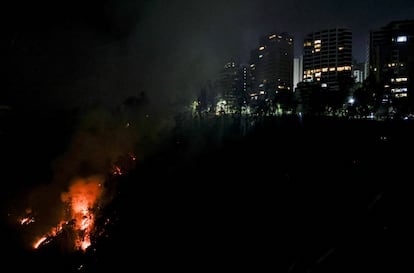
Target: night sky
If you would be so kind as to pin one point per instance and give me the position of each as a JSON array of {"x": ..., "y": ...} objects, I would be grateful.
[{"x": 75, "y": 53}]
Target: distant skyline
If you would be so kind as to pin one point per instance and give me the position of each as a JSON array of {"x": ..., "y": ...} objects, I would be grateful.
[
  {"x": 77, "y": 52},
  {"x": 299, "y": 18}
]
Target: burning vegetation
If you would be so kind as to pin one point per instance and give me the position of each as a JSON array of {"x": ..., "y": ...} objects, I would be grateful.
[
  {"x": 68, "y": 213},
  {"x": 75, "y": 213},
  {"x": 82, "y": 204}
]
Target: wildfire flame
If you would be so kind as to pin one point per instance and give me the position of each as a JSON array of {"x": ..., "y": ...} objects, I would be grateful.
[
  {"x": 39, "y": 242},
  {"x": 81, "y": 202},
  {"x": 81, "y": 198},
  {"x": 28, "y": 218}
]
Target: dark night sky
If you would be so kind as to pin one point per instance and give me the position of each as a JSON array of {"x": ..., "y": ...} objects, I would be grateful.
[{"x": 82, "y": 52}]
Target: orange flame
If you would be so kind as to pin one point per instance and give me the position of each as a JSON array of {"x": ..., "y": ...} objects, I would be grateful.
[
  {"x": 39, "y": 242},
  {"x": 26, "y": 220},
  {"x": 82, "y": 197},
  {"x": 81, "y": 205},
  {"x": 81, "y": 201}
]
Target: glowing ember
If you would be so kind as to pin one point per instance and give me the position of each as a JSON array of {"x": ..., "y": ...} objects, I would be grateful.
[
  {"x": 132, "y": 156},
  {"x": 117, "y": 170},
  {"x": 124, "y": 164},
  {"x": 26, "y": 220}
]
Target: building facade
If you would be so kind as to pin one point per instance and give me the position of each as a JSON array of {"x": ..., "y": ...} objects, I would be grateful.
[
  {"x": 391, "y": 62},
  {"x": 271, "y": 66},
  {"x": 233, "y": 86},
  {"x": 327, "y": 57}
]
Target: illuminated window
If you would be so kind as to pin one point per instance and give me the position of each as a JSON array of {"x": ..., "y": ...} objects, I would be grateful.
[
  {"x": 401, "y": 39},
  {"x": 399, "y": 90},
  {"x": 317, "y": 49},
  {"x": 317, "y": 42},
  {"x": 261, "y": 48},
  {"x": 340, "y": 48},
  {"x": 307, "y": 44},
  {"x": 404, "y": 79},
  {"x": 260, "y": 56},
  {"x": 401, "y": 95},
  {"x": 272, "y": 37}
]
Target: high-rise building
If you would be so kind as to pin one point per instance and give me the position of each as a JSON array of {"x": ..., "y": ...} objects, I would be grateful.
[
  {"x": 327, "y": 57},
  {"x": 297, "y": 70},
  {"x": 234, "y": 84},
  {"x": 391, "y": 61},
  {"x": 229, "y": 79},
  {"x": 271, "y": 65}
]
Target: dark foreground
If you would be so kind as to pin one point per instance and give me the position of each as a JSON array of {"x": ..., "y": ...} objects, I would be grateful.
[{"x": 289, "y": 195}]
